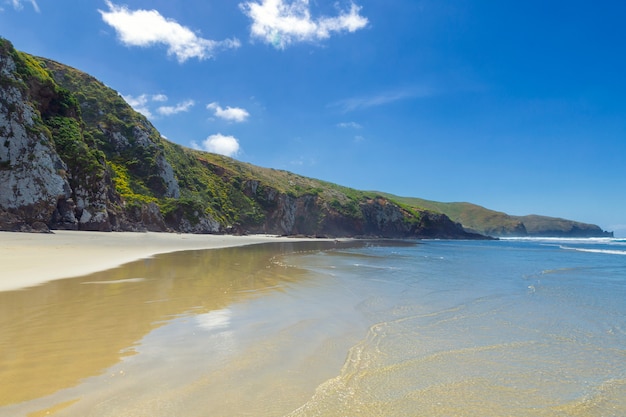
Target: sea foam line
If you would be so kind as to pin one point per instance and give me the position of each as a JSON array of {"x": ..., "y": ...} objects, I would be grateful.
[
  {"x": 590, "y": 240},
  {"x": 605, "y": 251}
]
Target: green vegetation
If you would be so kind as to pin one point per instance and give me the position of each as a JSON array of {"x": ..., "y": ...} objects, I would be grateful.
[
  {"x": 109, "y": 149},
  {"x": 83, "y": 161},
  {"x": 99, "y": 135},
  {"x": 472, "y": 217},
  {"x": 130, "y": 189},
  {"x": 494, "y": 223},
  {"x": 31, "y": 69}
]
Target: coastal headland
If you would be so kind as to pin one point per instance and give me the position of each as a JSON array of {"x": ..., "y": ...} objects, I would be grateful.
[{"x": 102, "y": 166}]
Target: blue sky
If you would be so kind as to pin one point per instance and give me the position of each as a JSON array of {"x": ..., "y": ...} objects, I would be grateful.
[{"x": 519, "y": 106}]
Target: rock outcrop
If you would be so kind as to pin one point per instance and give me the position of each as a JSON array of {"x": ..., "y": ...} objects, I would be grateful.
[
  {"x": 75, "y": 155},
  {"x": 33, "y": 182},
  {"x": 555, "y": 227}
]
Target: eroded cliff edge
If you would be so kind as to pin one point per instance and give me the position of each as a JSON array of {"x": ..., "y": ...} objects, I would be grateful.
[{"x": 74, "y": 155}]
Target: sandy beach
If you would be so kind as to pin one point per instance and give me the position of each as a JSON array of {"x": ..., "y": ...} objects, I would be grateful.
[{"x": 29, "y": 259}]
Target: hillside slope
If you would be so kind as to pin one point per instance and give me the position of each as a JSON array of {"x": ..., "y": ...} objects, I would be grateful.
[
  {"x": 75, "y": 155},
  {"x": 494, "y": 223}
]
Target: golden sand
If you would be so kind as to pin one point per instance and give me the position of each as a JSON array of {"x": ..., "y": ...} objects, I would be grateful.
[{"x": 30, "y": 259}]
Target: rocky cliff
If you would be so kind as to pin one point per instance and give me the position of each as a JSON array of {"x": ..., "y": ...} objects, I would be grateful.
[{"x": 74, "y": 155}]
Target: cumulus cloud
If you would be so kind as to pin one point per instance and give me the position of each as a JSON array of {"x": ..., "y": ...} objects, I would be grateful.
[
  {"x": 220, "y": 144},
  {"x": 281, "y": 23},
  {"x": 179, "y": 108},
  {"x": 17, "y": 4},
  {"x": 232, "y": 114},
  {"x": 148, "y": 28}
]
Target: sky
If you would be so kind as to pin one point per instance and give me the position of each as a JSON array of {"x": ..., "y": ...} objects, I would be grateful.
[{"x": 518, "y": 106}]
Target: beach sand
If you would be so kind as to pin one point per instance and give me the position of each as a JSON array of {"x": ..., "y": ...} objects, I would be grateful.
[{"x": 28, "y": 259}]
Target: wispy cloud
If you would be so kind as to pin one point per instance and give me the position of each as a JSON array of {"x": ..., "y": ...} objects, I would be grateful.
[
  {"x": 18, "y": 4},
  {"x": 148, "y": 28},
  {"x": 380, "y": 99},
  {"x": 143, "y": 102},
  {"x": 179, "y": 108},
  {"x": 220, "y": 144},
  {"x": 232, "y": 114},
  {"x": 302, "y": 161},
  {"x": 349, "y": 125},
  {"x": 281, "y": 23}
]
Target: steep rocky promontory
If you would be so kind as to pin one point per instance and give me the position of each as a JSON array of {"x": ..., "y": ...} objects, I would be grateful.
[{"x": 74, "y": 155}]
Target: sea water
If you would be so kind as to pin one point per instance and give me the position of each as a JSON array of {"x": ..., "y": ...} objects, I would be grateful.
[{"x": 518, "y": 327}]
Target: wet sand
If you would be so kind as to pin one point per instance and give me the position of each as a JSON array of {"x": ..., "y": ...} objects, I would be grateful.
[
  {"x": 319, "y": 328},
  {"x": 30, "y": 259},
  {"x": 202, "y": 329}
]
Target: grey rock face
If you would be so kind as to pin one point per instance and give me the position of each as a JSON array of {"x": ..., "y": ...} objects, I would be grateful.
[{"x": 31, "y": 173}]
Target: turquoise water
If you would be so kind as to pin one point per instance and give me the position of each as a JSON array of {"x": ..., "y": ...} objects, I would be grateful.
[{"x": 431, "y": 328}]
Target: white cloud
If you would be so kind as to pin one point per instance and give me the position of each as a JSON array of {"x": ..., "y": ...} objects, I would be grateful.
[
  {"x": 302, "y": 161},
  {"x": 148, "y": 27},
  {"x": 142, "y": 103},
  {"x": 281, "y": 23},
  {"x": 17, "y": 5},
  {"x": 179, "y": 108},
  {"x": 139, "y": 104},
  {"x": 357, "y": 103},
  {"x": 352, "y": 125},
  {"x": 220, "y": 144},
  {"x": 387, "y": 97},
  {"x": 232, "y": 114}
]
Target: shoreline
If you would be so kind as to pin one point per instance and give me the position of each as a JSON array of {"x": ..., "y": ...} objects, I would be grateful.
[{"x": 30, "y": 259}]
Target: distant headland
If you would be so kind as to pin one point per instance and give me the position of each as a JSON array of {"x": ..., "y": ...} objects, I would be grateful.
[{"x": 75, "y": 156}]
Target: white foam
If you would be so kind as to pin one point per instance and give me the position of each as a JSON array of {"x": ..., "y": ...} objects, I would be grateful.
[
  {"x": 605, "y": 251},
  {"x": 602, "y": 240}
]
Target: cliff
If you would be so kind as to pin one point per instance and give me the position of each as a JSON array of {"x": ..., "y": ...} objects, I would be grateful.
[{"x": 74, "y": 155}]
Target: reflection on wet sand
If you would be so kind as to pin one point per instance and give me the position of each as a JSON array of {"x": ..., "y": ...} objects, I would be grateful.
[
  {"x": 55, "y": 335},
  {"x": 438, "y": 329}
]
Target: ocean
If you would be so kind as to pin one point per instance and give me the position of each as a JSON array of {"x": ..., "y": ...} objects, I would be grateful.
[{"x": 514, "y": 327}]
